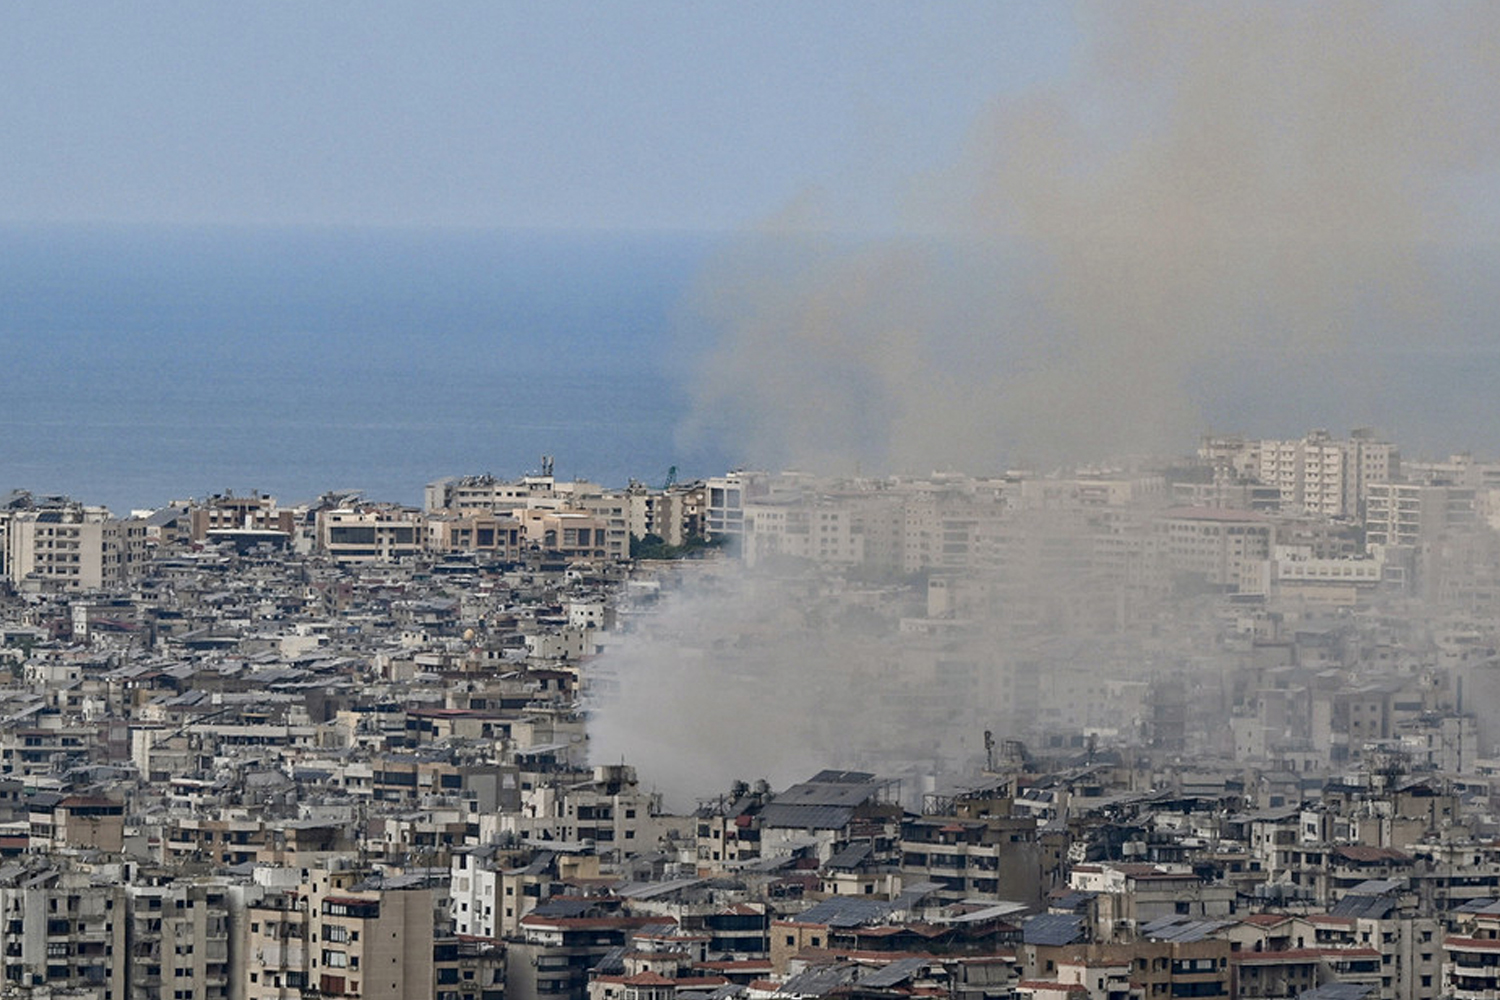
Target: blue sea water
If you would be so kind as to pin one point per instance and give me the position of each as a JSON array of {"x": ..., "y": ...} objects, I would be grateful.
[
  {"x": 142, "y": 365},
  {"x": 139, "y": 365}
]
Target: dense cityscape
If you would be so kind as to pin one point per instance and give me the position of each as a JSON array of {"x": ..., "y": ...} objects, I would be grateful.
[{"x": 1222, "y": 725}]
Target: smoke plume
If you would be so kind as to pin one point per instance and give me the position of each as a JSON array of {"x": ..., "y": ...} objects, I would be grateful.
[
  {"x": 1216, "y": 186},
  {"x": 1213, "y": 196}
]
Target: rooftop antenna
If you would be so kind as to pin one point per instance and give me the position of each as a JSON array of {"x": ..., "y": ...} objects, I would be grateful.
[{"x": 546, "y": 465}]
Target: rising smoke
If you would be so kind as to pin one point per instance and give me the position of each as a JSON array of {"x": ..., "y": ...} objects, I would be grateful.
[
  {"x": 1215, "y": 194},
  {"x": 1215, "y": 186}
]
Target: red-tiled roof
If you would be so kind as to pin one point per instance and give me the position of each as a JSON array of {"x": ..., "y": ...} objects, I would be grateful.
[
  {"x": 1053, "y": 985},
  {"x": 1472, "y": 944},
  {"x": 646, "y": 979}
]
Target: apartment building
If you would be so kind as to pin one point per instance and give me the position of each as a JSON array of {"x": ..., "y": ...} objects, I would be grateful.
[
  {"x": 72, "y": 548},
  {"x": 1320, "y": 475},
  {"x": 1414, "y": 513},
  {"x": 227, "y": 512},
  {"x": 177, "y": 939},
  {"x": 572, "y": 535},
  {"x": 65, "y": 931},
  {"x": 1471, "y": 953},
  {"x": 276, "y": 935},
  {"x": 373, "y": 940},
  {"x": 495, "y": 534},
  {"x": 992, "y": 856},
  {"x": 674, "y": 514},
  {"x": 372, "y": 533},
  {"x": 819, "y": 530},
  {"x": 1314, "y": 474},
  {"x": 485, "y": 494},
  {"x": 727, "y": 496},
  {"x": 611, "y": 511},
  {"x": 1144, "y": 969},
  {"x": 1217, "y": 549}
]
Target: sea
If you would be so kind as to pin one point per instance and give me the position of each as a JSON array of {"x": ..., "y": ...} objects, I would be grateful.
[{"x": 140, "y": 365}]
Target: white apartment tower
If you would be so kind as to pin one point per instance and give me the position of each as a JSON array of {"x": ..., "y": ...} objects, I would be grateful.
[{"x": 1320, "y": 475}]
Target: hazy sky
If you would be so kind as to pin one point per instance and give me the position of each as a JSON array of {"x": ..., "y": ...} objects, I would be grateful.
[{"x": 640, "y": 114}]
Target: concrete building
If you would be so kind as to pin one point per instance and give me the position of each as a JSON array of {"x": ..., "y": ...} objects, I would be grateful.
[
  {"x": 1215, "y": 549},
  {"x": 372, "y": 533},
  {"x": 727, "y": 496},
  {"x": 495, "y": 534},
  {"x": 485, "y": 494},
  {"x": 276, "y": 932},
  {"x": 72, "y": 548},
  {"x": 1415, "y": 514},
  {"x": 372, "y": 940},
  {"x": 572, "y": 535},
  {"x": 178, "y": 941},
  {"x": 1320, "y": 475},
  {"x": 227, "y": 512},
  {"x": 814, "y": 529},
  {"x": 65, "y": 931}
]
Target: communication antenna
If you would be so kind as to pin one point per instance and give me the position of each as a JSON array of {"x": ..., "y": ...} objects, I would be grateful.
[{"x": 546, "y": 465}]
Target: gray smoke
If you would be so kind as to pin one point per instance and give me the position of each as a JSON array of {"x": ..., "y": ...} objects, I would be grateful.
[
  {"x": 1216, "y": 186},
  {"x": 1216, "y": 194}
]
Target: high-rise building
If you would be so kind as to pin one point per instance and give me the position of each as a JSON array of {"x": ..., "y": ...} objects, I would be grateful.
[{"x": 71, "y": 547}]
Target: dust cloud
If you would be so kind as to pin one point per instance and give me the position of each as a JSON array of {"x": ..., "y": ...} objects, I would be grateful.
[
  {"x": 1212, "y": 194},
  {"x": 1214, "y": 186}
]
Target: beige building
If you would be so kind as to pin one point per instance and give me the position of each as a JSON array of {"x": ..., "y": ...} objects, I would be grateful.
[
  {"x": 276, "y": 939},
  {"x": 72, "y": 548},
  {"x": 227, "y": 512},
  {"x": 1314, "y": 474},
  {"x": 372, "y": 533},
  {"x": 1219, "y": 549},
  {"x": 571, "y": 534},
  {"x": 485, "y": 494},
  {"x": 493, "y": 533},
  {"x": 821, "y": 531},
  {"x": 375, "y": 943},
  {"x": 1415, "y": 514}
]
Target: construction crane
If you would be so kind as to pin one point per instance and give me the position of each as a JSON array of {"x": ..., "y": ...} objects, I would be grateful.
[{"x": 671, "y": 479}]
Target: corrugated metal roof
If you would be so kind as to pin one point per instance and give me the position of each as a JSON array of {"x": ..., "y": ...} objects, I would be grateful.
[
  {"x": 1181, "y": 929},
  {"x": 1052, "y": 929},
  {"x": 1360, "y": 905},
  {"x": 896, "y": 972},
  {"x": 844, "y": 911},
  {"x": 806, "y": 817},
  {"x": 816, "y": 982}
]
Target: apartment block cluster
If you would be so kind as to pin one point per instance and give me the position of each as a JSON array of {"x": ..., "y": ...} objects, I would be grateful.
[
  {"x": 1325, "y": 520},
  {"x": 1218, "y": 726}
]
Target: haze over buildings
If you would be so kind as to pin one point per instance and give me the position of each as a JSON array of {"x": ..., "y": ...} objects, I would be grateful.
[
  {"x": 1024, "y": 523},
  {"x": 1148, "y": 722}
]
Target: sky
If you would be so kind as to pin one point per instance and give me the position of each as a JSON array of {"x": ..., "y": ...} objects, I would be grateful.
[
  {"x": 645, "y": 115},
  {"x": 999, "y": 231}
]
